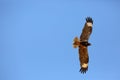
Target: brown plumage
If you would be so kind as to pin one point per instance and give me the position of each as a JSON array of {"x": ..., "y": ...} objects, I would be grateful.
[{"x": 83, "y": 43}]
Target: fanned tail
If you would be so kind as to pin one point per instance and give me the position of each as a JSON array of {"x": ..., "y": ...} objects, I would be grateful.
[{"x": 76, "y": 42}]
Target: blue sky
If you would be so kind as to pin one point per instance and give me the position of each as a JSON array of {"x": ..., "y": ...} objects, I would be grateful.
[{"x": 36, "y": 39}]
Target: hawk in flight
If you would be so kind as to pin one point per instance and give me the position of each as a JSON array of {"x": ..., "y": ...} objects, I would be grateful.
[{"x": 83, "y": 43}]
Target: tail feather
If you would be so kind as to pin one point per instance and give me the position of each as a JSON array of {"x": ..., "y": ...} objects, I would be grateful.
[{"x": 76, "y": 42}]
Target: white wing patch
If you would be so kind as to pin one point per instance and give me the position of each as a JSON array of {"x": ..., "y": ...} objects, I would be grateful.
[
  {"x": 85, "y": 65},
  {"x": 89, "y": 24}
]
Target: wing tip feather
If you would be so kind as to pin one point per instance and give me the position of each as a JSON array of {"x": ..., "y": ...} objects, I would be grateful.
[
  {"x": 89, "y": 19},
  {"x": 83, "y": 70}
]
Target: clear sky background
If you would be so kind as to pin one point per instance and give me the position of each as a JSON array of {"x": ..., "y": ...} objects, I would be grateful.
[{"x": 36, "y": 39}]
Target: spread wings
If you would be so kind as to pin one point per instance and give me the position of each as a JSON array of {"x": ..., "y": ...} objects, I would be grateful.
[
  {"x": 87, "y": 30},
  {"x": 83, "y": 43},
  {"x": 84, "y": 58}
]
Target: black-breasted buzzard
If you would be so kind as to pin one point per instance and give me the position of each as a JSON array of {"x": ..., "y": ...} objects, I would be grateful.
[{"x": 83, "y": 43}]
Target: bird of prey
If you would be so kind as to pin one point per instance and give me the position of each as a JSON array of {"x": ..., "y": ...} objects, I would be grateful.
[{"x": 83, "y": 44}]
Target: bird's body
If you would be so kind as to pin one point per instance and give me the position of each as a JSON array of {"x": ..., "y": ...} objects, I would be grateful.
[{"x": 83, "y": 44}]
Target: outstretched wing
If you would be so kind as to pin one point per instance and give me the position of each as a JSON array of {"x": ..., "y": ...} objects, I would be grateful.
[
  {"x": 87, "y": 30},
  {"x": 84, "y": 58},
  {"x": 83, "y": 51}
]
